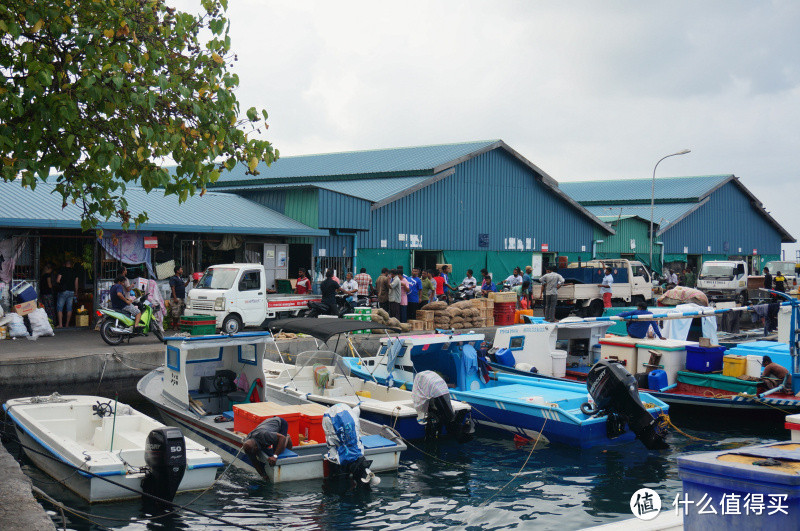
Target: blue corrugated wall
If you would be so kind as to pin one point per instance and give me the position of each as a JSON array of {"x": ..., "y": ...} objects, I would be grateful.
[
  {"x": 338, "y": 211},
  {"x": 490, "y": 194},
  {"x": 728, "y": 217},
  {"x": 335, "y": 245},
  {"x": 274, "y": 199}
]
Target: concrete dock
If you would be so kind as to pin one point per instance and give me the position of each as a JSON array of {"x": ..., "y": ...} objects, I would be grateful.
[{"x": 18, "y": 508}]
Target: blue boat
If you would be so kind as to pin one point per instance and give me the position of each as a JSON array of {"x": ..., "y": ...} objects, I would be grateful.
[{"x": 523, "y": 405}]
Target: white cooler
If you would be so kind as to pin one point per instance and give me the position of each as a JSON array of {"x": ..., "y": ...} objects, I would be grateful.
[
  {"x": 673, "y": 356},
  {"x": 622, "y": 349}
]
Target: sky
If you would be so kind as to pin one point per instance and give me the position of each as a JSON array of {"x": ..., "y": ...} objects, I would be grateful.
[{"x": 583, "y": 89}]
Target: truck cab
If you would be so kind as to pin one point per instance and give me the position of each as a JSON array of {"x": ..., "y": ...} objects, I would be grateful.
[
  {"x": 724, "y": 280},
  {"x": 237, "y": 296}
]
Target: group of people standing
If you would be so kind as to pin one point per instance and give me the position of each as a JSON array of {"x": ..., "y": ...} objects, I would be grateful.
[
  {"x": 58, "y": 291},
  {"x": 776, "y": 283}
]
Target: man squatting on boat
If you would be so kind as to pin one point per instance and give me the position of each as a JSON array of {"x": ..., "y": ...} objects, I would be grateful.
[{"x": 269, "y": 437}]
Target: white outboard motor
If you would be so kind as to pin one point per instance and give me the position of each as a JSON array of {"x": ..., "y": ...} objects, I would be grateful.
[
  {"x": 165, "y": 457},
  {"x": 345, "y": 455},
  {"x": 431, "y": 398}
]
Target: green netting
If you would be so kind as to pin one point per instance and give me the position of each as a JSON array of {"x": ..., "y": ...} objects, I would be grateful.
[
  {"x": 463, "y": 260},
  {"x": 376, "y": 259},
  {"x": 502, "y": 263}
]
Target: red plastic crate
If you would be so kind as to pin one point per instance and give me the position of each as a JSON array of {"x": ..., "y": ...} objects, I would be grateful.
[
  {"x": 311, "y": 427},
  {"x": 247, "y": 416}
]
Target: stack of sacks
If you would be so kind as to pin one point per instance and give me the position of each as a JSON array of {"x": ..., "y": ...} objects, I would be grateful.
[
  {"x": 382, "y": 316},
  {"x": 441, "y": 319},
  {"x": 465, "y": 315}
]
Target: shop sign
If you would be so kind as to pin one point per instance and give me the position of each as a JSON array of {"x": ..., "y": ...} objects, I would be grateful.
[
  {"x": 545, "y": 247},
  {"x": 150, "y": 242}
]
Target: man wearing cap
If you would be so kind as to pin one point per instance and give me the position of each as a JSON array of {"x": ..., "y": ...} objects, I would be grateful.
[{"x": 270, "y": 437}]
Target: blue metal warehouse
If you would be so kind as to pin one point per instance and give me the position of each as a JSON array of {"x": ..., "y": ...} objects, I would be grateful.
[
  {"x": 712, "y": 217},
  {"x": 476, "y": 204}
]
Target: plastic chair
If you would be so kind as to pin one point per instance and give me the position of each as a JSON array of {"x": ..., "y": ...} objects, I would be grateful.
[{"x": 251, "y": 396}]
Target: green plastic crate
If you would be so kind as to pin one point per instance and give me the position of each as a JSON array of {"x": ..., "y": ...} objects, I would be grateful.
[
  {"x": 188, "y": 319},
  {"x": 199, "y": 330}
]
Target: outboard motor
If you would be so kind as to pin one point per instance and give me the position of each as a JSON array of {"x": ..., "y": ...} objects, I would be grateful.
[
  {"x": 616, "y": 394},
  {"x": 345, "y": 456},
  {"x": 431, "y": 397},
  {"x": 165, "y": 457}
]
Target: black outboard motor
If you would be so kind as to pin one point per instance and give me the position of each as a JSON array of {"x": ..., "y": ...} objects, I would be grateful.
[
  {"x": 615, "y": 393},
  {"x": 441, "y": 414},
  {"x": 165, "y": 457}
]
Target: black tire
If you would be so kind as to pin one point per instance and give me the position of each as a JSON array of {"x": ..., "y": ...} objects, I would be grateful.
[
  {"x": 636, "y": 299},
  {"x": 231, "y": 325},
  {"x": 158, "y": 332},
  {"x": 595, "y": 308},
  {"x": 589, "y": 409},
  {"x": 108, "y": 335}
]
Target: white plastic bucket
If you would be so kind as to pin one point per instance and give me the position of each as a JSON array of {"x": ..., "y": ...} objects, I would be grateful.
[
  {"x": 559, "y": 358},
  {"x": 754, "y": 365}
]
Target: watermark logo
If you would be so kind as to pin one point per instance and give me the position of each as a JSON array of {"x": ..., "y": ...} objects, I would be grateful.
[{"x": 645, "y": 504}]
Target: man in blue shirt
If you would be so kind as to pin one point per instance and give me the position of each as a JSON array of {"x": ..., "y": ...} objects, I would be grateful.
[
  {"x": 639, "y": 328},
  {"x": 121, "y": 303},
  {"x": 414, "y": 287}
]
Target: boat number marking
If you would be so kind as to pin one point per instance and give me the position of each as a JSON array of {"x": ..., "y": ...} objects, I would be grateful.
[{"x": 173, "y": 379}]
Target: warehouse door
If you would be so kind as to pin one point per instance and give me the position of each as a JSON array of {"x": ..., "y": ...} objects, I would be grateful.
[{"x": 427, "y": 259}]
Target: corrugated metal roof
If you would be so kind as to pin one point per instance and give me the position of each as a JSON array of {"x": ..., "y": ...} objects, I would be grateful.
[
  {"x": 663, "y": 213},
  {"x": 214, "y": 212},
  {"x": 406, "y": 161},
  {"x": 635, "y": 190},
  {"x": 373, "y": 190}
]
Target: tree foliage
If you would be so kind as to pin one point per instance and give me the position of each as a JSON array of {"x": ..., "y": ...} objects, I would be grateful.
[{"x": 100, "y": 92}]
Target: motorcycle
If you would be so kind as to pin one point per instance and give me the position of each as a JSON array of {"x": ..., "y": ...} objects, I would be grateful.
[
  {"x": 462, "y": 293},
  {"x": 117, "y": 325},
  {"x": 344, "y": 306}
]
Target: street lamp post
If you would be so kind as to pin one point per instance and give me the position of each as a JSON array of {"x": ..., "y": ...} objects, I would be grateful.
[{"x": 653, "y": 198}]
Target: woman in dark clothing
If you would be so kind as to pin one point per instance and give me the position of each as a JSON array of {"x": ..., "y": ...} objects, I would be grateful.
[{"x": 47, "y": 291}]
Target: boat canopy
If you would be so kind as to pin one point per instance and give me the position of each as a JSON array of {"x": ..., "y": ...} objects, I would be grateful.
[{"x": 324, "y": 329}]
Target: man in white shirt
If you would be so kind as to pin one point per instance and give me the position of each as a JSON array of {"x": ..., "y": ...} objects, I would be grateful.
[
  {"x": 515, "y": 279},
  {"x": 605, "y": 288},
  {"x": 350, "y": 287},
  {"x": 550, "y": 284},
  {"x": 471, "y": 284}
]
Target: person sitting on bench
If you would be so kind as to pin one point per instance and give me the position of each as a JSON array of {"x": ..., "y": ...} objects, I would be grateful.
[{"x": 269, "y": 437}]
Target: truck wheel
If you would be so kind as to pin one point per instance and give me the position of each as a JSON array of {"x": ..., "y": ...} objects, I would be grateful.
[
  {"x": 741, "y": 299},
  {"x": 596, "y": 308},
  {"x": 231, "y": 325},
  {"x": 636, "y": 299}
]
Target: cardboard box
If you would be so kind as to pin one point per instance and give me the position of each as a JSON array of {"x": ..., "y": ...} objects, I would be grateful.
[
  {"x": 503, "y": 296},
  {"x": 25, "y": 308},
  {"x": 416, "y": 324},
  {"x": 425, "y": 315}
]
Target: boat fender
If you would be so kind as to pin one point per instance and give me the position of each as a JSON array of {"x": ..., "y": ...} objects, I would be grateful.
[{"x": 589, "y": 409}]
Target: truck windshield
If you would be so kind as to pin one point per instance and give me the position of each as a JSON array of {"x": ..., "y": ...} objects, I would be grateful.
[
  {"x": 218, "y": 278},
  {"x": 717, "y": 271}
]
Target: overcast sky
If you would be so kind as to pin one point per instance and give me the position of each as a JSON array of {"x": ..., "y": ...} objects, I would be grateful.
[{"x": 585, "y": 90}]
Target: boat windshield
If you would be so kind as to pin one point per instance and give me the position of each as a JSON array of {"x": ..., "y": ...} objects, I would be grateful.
[
  {"x": 718, "y": 271},
  {"x": 218, "y": 278}
]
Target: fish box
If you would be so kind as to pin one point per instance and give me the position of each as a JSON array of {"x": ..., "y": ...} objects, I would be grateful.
[
  {"x": 734, "y": 366},
  {"x": 712, "y": 478},
  {"x": 247, "y": 416},
  {"x": 704, "y": 359},
  {"x": 673, "y": 356},
  {"x": 621, "y": 349}
]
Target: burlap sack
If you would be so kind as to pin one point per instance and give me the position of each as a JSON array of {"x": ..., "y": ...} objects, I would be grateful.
[
  {"x": 461, "y": 304},
  {"x": 452, "y": 311},
  {"x": 405, "y": 327},
  {"x": 393, "y": 322},
  {"x": 438, "y": 305},
  {"x": 456, "y": 320}
]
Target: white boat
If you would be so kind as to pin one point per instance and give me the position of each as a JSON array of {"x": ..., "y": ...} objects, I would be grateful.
[
  {"x": 180, "y": 390},
  {"x": 101, "y": 438},
  {"x": 323, "y": 377}
]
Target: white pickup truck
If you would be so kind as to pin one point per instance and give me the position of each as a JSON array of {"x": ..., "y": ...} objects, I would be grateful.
[
  {"x": 236, "y": 295},
  {"x": 581, "y": 293},
  {"x": 724, "y": 280}
]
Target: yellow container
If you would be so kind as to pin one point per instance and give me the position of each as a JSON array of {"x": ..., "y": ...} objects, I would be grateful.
[
  {"x": 733, "y": 365},
  {"x": 365, "y": 394},
  {"x": 81, "y": 320}
]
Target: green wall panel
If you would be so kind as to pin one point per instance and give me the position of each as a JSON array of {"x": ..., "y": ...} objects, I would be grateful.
[{"x": 376, "y": 259}]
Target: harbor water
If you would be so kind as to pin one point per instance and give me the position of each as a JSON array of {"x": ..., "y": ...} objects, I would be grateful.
[{"x": 444, "y": 485}]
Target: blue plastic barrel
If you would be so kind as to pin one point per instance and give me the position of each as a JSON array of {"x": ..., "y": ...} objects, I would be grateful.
[
  {"x": 505, "y": 357},
  {"x": 657, "y": 380}
]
